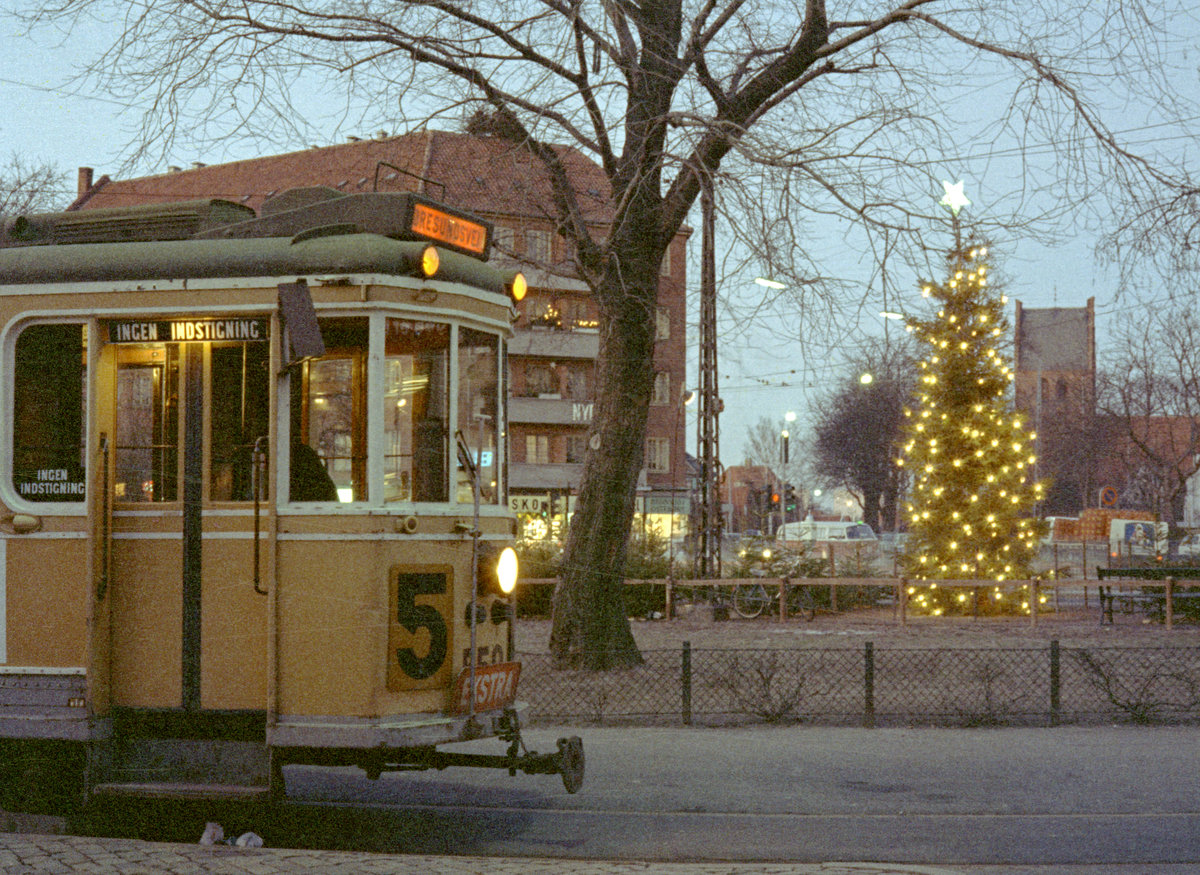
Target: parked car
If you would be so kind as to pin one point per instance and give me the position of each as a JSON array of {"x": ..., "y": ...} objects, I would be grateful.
[{"x": 1189, "y": 547}]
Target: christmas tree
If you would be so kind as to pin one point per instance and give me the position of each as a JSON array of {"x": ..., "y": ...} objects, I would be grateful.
[{"x": 969, "y": 456}]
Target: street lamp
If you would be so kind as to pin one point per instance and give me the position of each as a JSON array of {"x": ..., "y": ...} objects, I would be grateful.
[{"x": 768, "y": 283}]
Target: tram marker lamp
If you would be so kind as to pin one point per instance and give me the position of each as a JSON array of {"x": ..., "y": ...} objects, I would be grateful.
[
  {"x": 506, "y": 570},
  {"x": 430, "y": 261},
  {"x": 518, "y": 287}
]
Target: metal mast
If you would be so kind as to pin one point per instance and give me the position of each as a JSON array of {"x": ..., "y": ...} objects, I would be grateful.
[{"x": 707, "y": 428}]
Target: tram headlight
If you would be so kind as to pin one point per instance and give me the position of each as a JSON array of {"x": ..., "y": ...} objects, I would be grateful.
[
  {"x": 518, "y": 287},
  {"x": 430, "y": 261},
  {"x": 506, "y": 570}
]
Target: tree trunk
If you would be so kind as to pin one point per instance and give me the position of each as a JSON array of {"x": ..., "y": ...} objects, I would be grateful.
[{"x": 590, "y": 627}]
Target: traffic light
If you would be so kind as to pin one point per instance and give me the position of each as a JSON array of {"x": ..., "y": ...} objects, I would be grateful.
[
  {"x": 774, "y": 499},
  {"x": 789, "y": 498}
]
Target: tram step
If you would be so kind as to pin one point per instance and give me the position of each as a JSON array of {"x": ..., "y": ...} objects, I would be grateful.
[
  {"x": 171, "y": 790},
  {"x": 188, "y": 761}
]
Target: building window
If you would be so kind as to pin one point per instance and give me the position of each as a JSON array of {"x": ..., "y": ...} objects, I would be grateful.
[
  {"x": 573, "y": 311},
  {"x": 662, "y": 388},
  {"x": 658, "y": 455},
  {"x": 541, "y": 378},
  {"x": 542, "y": 313},
  {"x": 579, "y": 382},
  {"x": 537, "y": 449},
  {"x": 662, "y": 324},
  {"x": 664, "y": 269},
  {"x": 576, "y": 449},
  {"x": 537, "y": 246},
  {"x": 503, "y": 239}
]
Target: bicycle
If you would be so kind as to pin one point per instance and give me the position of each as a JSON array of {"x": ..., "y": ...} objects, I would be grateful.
[{"x": 751, "y": 599}]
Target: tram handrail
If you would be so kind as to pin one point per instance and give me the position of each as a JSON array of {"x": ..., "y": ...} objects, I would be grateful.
[{"x": 257, "y": 460}]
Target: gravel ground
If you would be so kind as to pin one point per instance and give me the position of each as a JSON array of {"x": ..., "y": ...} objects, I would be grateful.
[{"x": 1075, "y": 626}]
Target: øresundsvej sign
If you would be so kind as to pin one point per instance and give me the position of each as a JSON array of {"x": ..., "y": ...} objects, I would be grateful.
[
  {"x": 236, "y": 330},
  {"x": 445, "y": 227}
]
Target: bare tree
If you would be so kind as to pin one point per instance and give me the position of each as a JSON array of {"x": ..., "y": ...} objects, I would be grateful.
[
  {"x": 27, "y": 187},
  {"x": 858, "y": 428},
  {"x": 764, "y": 447},
  {"x": 791, "y": 113},
  {"x": 1149, "y": 393}
]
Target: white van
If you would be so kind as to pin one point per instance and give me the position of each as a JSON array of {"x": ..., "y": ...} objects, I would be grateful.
[{"x": 839, "y": 534}]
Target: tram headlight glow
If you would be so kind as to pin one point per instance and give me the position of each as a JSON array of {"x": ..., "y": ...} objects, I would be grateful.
[
  {"x": 518, "y": 287},
  {"x": 506, "y": 570},
  {"x": 430, "y": 261}
]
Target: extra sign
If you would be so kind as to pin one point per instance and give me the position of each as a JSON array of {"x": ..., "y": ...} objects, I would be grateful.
[
  {"x": 236, "y": 330},
  {"x": 495, "y": 687},
  {"x": 528, "y": 503}
]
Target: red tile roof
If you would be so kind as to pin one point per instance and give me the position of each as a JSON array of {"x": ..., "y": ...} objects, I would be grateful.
[{"x": 485, "y": 175}]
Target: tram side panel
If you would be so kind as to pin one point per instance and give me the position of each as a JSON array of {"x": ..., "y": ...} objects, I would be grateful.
[
  {"x": 44, "y": 546},
  {"x": 234, "y": 650},
  {"x": 42, "y": 682},
  {"x": 378, "y": 626}
]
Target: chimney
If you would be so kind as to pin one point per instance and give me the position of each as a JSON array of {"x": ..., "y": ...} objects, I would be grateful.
[{"x": 84, "y": 183}]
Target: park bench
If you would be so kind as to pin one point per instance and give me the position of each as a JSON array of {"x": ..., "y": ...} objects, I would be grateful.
[{"x": 1156, "y": 601}]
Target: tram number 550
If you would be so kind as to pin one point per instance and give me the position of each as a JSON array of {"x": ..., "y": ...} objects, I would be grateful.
[{"x": 414, "y": 618}]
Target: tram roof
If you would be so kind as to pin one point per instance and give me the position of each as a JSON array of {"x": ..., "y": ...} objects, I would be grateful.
[
  {"x": 305, "y": 231},
  {"x": 337, "y": 254}
]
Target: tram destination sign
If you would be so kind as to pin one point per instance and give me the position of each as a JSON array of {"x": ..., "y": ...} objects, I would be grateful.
[
  {"x": 235, "y": 330},
  {"x": 452, "y": 229}
]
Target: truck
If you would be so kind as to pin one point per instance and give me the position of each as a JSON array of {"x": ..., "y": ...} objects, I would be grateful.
[{"x": 1137, "y": 539}]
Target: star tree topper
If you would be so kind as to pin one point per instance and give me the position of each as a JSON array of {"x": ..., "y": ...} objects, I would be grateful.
[{"x": 954, "y": 197}]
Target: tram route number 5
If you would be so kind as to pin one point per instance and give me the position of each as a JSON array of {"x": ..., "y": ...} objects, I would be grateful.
[{"x": 415, "y": 619}]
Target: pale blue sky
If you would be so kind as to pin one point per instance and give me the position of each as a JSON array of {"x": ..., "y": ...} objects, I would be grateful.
[{"x": 46, "y": 119}]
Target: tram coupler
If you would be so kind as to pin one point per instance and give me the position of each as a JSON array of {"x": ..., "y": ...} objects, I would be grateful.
[{"x": 567, "y": 761}]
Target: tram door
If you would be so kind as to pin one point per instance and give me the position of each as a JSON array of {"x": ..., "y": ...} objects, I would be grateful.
[{"x": 188, "y": 617}]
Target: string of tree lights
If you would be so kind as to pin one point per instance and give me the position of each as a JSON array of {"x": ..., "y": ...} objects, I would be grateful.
[{"x": 968, "y": 454}]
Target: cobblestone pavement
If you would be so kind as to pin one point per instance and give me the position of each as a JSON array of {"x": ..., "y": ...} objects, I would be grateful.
[{"x": 49, "y": 854}]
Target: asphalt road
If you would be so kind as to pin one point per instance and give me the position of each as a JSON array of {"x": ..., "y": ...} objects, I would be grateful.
[{"x": 1004, "y": 797}]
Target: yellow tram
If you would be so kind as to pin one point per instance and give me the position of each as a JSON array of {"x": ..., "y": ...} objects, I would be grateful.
[{"x": 252, "y": 508}]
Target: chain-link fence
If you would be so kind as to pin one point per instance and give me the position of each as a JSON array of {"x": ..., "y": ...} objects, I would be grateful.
[{"x": 869, "y": 686}]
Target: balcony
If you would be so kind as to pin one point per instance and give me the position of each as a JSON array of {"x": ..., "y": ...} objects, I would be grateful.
[
  {"x": 580, "y": 343},
  {"x": 549, "y": 411},
  {"x": 523, "y": 477}
]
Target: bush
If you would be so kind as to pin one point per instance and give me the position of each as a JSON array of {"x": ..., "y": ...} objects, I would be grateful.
[
  {"x": 537, "y": 559},
  {"x": 763, "y": 557},
  {"x": 647, "y": 559}
]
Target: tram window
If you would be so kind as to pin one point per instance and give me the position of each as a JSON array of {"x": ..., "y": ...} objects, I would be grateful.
[
  {"x": 49, "y": 386},
  {"x": 415, "y": 411},
  {"x": 478, "y": 390},
  {"x": 240, "y": 408},
  {"x": 147, "y": 432},
  {"x": 328, "y": 418}
]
